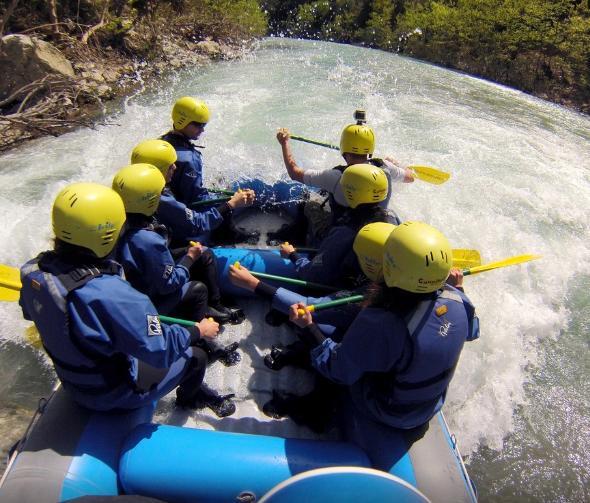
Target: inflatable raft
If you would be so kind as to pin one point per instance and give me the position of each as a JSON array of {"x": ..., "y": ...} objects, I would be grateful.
[{"x": 69, "y": 452}]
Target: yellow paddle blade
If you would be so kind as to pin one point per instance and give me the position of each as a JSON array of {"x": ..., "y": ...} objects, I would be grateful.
[
  {"x": 464, "y": 259},
  {"x": 430, "y": 174},
  {"x": 33, "y": 338},
  {"x": 10, "y": 284},
  {"x": 519, "y": 259}
]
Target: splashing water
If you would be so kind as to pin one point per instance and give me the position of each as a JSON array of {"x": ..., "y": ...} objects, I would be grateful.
[{"x": 519, "y": 403}]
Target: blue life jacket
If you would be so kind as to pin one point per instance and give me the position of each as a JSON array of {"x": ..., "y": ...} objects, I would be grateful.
[
  {"x": 187, "y": 180},
  {"x": 149, "y": 266},
  {"x": 415, "y": 389},
  {"x": 184, "y": 223},
  {"x": 91, "y": 349},
  {"x": 43, "y": 297}
]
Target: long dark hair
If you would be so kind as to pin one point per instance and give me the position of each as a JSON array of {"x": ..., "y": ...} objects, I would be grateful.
[
  {"x": 78, "y": 255},
  {"x": 73, "y": 253},
  {"x": 138, "y": 220},
  {"x": 395, "y": 299},
  {"x": 363, "y": 214}
]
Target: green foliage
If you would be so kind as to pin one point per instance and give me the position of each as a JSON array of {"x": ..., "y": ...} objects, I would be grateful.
[
  {"x": 230, "y": 20},
  {"x": 378, "y": 30},
  {"x": 539, "y": 47}
]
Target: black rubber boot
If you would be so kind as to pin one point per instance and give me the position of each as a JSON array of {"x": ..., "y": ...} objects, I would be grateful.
[
  {"x": 219, "y": 313},
  {"x": 296, "y": 354},
  {"x": 227, "y": 355},
  {"x": 221, "y": 405},
  {"x": 223, "y": 314},
  {"x": 287, "y": 232},
  {"x": 230, "y": 234},
  {"x": 278, "y": 406}
]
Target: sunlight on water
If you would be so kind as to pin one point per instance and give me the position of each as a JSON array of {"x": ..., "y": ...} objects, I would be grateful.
[{"x": 520, "y": 184}]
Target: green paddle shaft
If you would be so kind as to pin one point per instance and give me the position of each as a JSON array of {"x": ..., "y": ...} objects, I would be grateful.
[
  {"x": 314, "y": 142},
  {"x": 337, "y": 302},
  {"x": 221, "y": 191},
  {"x": 178, "y": 321},
  {"x": 293, "y": 281},
  {"x": 210, "y": 201},
  {"x": 425, "y": 173}
]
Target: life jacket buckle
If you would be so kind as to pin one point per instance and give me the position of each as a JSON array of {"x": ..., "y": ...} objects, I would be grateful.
[{"x": 80, "y": 273}]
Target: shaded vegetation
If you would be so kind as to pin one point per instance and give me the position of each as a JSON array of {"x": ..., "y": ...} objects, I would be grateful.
[
  {"x": 113, "y": 22},
  {"x": 113, "y": 46},
  {"x": 541, "y": 47}
]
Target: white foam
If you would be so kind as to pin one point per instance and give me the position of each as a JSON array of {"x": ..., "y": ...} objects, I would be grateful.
[{"x": 519, "y": 185}]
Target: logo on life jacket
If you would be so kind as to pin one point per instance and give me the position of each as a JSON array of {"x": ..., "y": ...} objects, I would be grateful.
[
  {"x": 443, "y": 331},
  {"x": 154, "y": 327},
  {"x": 168, "y": 271}
]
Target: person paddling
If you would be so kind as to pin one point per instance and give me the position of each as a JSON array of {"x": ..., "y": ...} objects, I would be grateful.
[
  {"x": 368, "y": 247},
  {"x": 364, "y": 187},
  {"x": 106, "y": 341},
  {"x": 357, "y": 144},
  {"x": 143, "y": 252},
  {"x": 397, "y": 359},
  {"x": 185, "y": 224},
  {"x": 189, "y": 118}
]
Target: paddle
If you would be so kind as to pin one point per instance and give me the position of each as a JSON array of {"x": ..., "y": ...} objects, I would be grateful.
[
  {"x": 333, "y": 303},
  {"x": 291, "y": 281},
  {"x": 462, "y": 258},
  {"x": 519, "y": 259},
  {"x": 34, "y": 339},
  {"x": 215, "y": 200},
  {"x": 10, "y": 284},
  {"x": 221, "y": 191},
  {"x": 313, "y": 142},
  {"x": 425, "y": 173},
  {"x": 429, "y": 174},
  {"x": 177, "y": 321}
]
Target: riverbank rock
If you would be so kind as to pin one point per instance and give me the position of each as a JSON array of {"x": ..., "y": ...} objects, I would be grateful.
[
  {"x": 210, "y": 48},
  {"x": 26, "y": 59},
  {"x": 96, "y": 74}
]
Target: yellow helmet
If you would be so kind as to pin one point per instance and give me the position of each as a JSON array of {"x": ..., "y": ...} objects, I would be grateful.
[
  {"x": 357, "y": 139},
  {"x": 156, "y": 152},
  {"x": 368, "y": 247},
  {"x": 417, "y": 258},
  {"x": 364, "y": 183},
  {"x": 139, "y": 186},
  {"x": 88, "y": 215},
  {"x": 187, "y": 110}
]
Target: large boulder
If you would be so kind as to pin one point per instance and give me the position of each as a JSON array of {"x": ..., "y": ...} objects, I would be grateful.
[{"x": 25, "y": 59}]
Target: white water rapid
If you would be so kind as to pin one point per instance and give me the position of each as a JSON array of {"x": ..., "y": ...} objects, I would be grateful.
[{"x": 520, "y": 400}]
